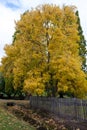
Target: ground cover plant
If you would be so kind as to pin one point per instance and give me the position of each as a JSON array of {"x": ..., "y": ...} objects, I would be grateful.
[{"x": 11, "y": 122}]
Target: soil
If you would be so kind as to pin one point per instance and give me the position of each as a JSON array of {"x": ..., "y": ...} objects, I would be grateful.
[{"x": 42, "y": 119}]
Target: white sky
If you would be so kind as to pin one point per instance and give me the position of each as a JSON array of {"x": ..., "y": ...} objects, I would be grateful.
[{"x": 10, "y": 11}]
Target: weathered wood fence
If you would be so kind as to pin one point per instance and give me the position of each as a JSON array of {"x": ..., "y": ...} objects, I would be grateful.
[{"x": 70, "y": 108}]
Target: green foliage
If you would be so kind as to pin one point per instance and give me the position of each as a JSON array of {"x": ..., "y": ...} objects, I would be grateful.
[
  {"x": 10, "y": 122},
  {"x": 9, "y": 90},
  {"x": 82, "y": 44},
  {"x": 2, "y": 83}
]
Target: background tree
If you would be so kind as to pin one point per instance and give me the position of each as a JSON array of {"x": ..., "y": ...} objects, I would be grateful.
[
  {"x": 82, "y": 44},
  {"x": 7, "y": 70},
  {"x": 2, "y": 83}
]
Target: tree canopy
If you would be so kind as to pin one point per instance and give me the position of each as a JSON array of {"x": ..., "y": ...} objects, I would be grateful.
[
  {"x": 82, "y": 44},
  {"x": 44, "y": 56}
]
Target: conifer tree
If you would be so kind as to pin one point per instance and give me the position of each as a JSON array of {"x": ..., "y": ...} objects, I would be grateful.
[{"x": 82, "y": 44}]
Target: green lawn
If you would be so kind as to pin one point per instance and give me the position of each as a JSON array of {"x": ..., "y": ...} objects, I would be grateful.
[{"x": 10, "y": 122}]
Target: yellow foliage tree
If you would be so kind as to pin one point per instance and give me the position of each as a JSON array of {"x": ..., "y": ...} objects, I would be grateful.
[{"x": 46, "y": 52}]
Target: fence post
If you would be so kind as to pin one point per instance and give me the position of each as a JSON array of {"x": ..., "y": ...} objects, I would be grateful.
[
  {"x": 82, "y": 110},
  {"x": 69, "y": 108}
]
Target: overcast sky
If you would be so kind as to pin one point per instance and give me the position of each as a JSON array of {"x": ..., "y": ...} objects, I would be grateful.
[{"x": 10, "y": 11}]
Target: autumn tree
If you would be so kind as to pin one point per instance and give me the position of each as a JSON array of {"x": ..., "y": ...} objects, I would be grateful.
[
  {"x": 45, "y": 52},
  {"x": 7, "y": 70}
]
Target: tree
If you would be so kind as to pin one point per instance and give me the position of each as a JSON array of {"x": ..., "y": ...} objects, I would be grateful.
[
  {"x": 2, "y": 83},
  {"x": 45, "y": 52},
  {"x": 82, "y": 44},
  {"x": 7, "y": 70}
]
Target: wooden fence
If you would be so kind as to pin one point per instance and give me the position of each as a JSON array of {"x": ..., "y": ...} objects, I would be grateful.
[{"x": 70, "y": 108}]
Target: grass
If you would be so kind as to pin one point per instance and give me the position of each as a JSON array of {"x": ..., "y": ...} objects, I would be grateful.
[{"x": 10, "y": 122}]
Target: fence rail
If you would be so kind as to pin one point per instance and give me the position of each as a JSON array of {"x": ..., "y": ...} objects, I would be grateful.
[{"x": 70, "y": 108}]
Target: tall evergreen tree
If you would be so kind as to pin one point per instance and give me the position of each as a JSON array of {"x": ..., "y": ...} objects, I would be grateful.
[{"x": 82, "y": 44}]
